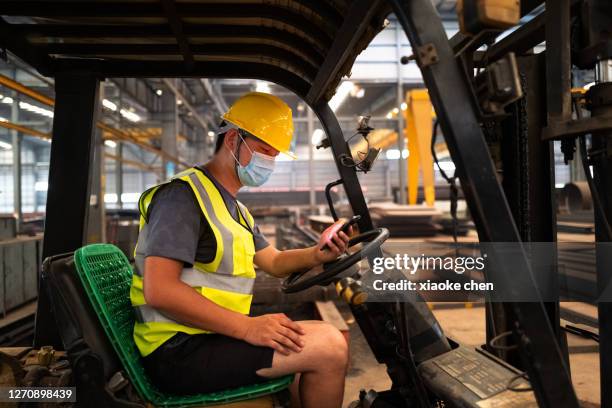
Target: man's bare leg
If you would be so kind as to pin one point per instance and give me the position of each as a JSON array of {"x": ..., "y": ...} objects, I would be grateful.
[
  {"x": 294, "y": 389},
  {"x": 322, "y": 364}
]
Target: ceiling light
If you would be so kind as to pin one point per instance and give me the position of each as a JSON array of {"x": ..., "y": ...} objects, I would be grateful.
[
  {"x": 341, "y": 93},
  {"x": 159, "y": 92},
  {"x": 317, "y": 136},
  {"x": 395, "y": 111},
  {"x": 211, "y": 133},
  {"x": 109, "y": 105},
  {"x": 357, "y": 92},
  {"x": 131, "y": 116},
  {"x": 2, "y": 119},
  {"x": 404, "y": 106},
  {"x": 7, "y": 100},
  {"x": 5, "y": 146},
  {"x": 390, "y": 115},
  {"x": 392, "y": 154},
  {"x": 110, "y": 143},
  {"x": 446, "y": 165},
  {"x": 262, "y": 86},
  {"x": 300, "y": 107},
  {"x": 179, "y": 102},
  {"x": 130, "y": 197},
  {"x": 41, "y": 186},
  {"x": 36, "y": 109}
]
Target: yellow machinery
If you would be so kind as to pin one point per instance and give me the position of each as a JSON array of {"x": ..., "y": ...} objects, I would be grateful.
[
  {"x": 418, "y": 119},
  {"x": 478, "y": 15}
]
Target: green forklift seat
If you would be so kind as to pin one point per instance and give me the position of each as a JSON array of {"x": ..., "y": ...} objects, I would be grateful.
[{"x": 106, "y": 275}]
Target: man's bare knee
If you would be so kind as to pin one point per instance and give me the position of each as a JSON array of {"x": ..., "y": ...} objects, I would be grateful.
[{"x": 330, "y": 348}]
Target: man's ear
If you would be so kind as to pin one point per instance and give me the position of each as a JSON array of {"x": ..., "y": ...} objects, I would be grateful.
[{"x": 231, "y": 137}]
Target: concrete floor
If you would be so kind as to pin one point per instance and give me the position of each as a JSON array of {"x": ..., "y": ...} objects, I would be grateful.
[{"x": 467, "y": 326}]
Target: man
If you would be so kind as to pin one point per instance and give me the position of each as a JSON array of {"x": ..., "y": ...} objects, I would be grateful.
[{"x": 192, "y": 286}]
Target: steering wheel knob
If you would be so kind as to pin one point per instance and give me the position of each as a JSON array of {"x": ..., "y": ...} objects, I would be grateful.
[{"x": 351, "y": 291}]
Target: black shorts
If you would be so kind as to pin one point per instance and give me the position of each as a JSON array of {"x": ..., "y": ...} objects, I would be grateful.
[{"x": 203, "y": 363}]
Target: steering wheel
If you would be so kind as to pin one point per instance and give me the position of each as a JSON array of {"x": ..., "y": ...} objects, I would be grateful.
[{"x": 297, "y": 281}]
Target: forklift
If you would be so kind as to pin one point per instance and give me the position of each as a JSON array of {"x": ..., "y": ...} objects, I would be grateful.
[{"x": 490, "y": 105}]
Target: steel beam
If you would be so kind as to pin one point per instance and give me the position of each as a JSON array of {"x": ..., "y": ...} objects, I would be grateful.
[
  {"x": 165, "y": 69},
  {"x": 601, "y": 160},
  {"x": 169, "y": 117},
  {"x": 19, "y": 46},
  {"x": 17, "y": 139},
  {"x": 558, "y": 61},
  {"x": 298, "y": 61},
  {"x": 179, "y": 95},
  {"x": 214, "y": 95},
  {"x": 357, "y": 19},
  {"x": 347, "y": 174},
  {"x": 67, "y": 9},
  {"x": 450, "y": 93},
  {"x": 311, "y": 170},
  {"x": 402, "y": 163},
  {"x": 529, "y": 185},
  {"x": 177, "y": 28},
  {"x": 70, "y": 170},
  {"x": 291, "y": 41},
  {"x": 119, "y": 173}
]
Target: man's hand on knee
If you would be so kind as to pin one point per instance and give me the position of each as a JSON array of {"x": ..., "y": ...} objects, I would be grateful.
[{"x": 276, "y": 331}]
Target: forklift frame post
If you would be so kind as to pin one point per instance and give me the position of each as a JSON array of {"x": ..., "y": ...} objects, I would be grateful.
[
  {"x": 70, "y": 172},
  {"x": 449, "y": 90}
]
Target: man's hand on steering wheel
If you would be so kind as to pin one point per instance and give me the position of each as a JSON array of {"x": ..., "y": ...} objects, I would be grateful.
[{"x": 332, "y": 243}]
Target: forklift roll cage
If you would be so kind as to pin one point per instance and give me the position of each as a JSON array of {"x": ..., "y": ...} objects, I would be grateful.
[{"x": 307, "y": 47}]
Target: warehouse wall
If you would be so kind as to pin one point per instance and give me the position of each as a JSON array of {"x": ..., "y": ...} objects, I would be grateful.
[{"x": 34, "y": 173}]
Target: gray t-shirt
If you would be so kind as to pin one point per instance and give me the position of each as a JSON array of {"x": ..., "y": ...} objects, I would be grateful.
[{"x": 178, "y": 229}]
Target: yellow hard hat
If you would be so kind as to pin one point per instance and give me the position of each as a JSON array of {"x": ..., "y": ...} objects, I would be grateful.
[{"x": 264, "y": 116}]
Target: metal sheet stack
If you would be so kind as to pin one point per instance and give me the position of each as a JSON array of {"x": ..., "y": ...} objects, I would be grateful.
[
  {"x": 19, "y": 266},
  {"x": 406, "y": 220}
]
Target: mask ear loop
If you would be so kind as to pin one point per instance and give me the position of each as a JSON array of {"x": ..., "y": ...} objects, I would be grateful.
[{"x": 237, "y": 155}]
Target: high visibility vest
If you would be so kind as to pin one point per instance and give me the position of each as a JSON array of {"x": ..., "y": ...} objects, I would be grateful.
[{"x": 227, "y": 280}]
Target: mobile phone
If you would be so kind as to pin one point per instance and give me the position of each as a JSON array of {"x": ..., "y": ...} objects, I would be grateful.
[{"x": 345, "y": 227}]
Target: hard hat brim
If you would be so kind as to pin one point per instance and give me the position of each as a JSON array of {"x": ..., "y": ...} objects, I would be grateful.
[{"x": 287, "y": 153}]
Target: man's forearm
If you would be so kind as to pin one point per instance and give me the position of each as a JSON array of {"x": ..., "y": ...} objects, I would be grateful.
[
  {"x": 183, "y": 304},
  {"x": 294, "y": 260}
]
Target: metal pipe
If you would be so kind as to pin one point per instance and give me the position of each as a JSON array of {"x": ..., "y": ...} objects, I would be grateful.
[
  {"x": 17, "y": 138},
  {"x": 401, "y": 141},
  {"x": 132, "y": 163},
  {"x": 22, "y": 89},
  {"x": 119, "y": 173},
  {"x": 311, "y": 181},
  {"x": 25, "y": 130}
]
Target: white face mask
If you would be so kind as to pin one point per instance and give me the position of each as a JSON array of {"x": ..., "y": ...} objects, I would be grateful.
[{"x": 257, "y": 171}]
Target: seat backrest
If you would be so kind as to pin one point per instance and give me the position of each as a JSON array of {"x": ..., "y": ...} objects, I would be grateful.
[
  {"x": 106, "y": 275},
  {"x": 74, "y": 315}
]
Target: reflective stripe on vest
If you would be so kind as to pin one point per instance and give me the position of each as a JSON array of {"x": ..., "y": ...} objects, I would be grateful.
[{"x": 227, "y": 280}]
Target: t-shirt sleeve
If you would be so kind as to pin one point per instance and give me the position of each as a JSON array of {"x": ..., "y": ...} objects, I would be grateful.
[
  {"x": 260, "y": 240},
  {"x": 174, "y": 223}
]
